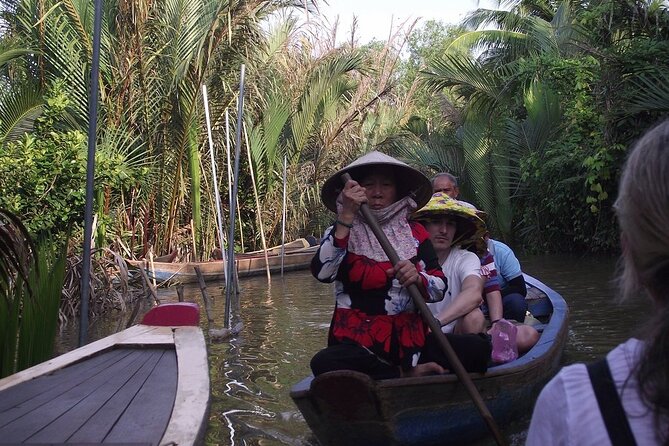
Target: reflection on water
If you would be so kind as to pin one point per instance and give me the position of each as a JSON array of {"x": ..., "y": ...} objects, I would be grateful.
[
  {"x": 286, "y": 322},
  {"x": 598, "y": 320}
]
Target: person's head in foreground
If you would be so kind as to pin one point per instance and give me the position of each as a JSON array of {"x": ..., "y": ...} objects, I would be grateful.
[
  {"x": 642, "y": 209},
  {"x": 449, "y": 223}
]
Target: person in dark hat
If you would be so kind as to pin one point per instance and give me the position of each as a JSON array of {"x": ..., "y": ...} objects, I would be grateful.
[
  {"x": 375, "y": 328},
  {"x": 452, "y": 226}
]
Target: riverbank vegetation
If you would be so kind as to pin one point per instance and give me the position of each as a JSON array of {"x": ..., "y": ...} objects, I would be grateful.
[
  {"x": 29, "y": 301},
  {"x": 532, "y": 107}
]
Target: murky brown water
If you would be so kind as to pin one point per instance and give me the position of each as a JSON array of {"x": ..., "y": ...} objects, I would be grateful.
[{"x": 286, "y": 322}]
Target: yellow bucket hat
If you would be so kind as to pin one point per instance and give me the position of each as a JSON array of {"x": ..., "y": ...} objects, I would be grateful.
[{"x": 470, "y": 226}]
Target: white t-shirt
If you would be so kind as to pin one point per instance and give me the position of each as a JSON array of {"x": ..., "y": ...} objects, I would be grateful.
[
  {"x": 567, "y": 412},
  {"x": 459, "y": 265}
]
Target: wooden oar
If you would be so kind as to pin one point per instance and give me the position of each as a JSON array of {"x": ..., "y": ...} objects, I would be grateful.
[{"x": 435, "y": 327}]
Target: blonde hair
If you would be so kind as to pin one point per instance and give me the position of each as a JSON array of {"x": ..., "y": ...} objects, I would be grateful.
[{"x": 642, "y": 208}]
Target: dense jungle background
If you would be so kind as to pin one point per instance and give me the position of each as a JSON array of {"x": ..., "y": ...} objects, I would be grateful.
[{"x": 533, "y": 107}]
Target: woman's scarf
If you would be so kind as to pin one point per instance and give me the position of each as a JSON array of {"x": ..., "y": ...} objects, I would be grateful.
[{"x": 394, "y": 222}]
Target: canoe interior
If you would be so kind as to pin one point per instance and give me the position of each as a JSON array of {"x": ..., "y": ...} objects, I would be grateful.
[
  {"x": 120, "y": 395},
  {"x": 343, "y": 407}
]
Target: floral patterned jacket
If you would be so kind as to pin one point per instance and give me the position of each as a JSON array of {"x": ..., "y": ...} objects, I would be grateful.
[{"x": 372, "y": 309}]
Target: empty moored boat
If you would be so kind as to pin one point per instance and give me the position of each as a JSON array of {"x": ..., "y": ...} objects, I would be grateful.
[{"x": 148, "y": 384}]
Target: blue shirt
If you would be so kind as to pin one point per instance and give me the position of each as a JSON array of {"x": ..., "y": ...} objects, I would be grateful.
[{"x": 506, "y": 262}]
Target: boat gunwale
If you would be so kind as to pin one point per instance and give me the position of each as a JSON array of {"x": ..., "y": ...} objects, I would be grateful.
[
  {"x": 184, "y": 272},
  {"x": 188, "y": 420}
]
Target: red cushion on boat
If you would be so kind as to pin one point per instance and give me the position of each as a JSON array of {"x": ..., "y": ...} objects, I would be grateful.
[{"x": 173, "y": 314}]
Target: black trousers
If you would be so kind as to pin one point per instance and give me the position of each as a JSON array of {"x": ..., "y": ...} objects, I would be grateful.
[{"x": 473, "y": 350}]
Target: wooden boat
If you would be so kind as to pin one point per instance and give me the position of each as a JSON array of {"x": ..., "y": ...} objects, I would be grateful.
[
  {"x": 346, "y": 407},
  {"x": 292, "y": 246},
  {"x": 248, "y": 264},
  {"x": 148, "y": 384}
]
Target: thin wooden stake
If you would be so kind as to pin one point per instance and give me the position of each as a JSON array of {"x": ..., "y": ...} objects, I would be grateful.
[
  {"x": 205, "y": 295},
  {"x": 219, "y": 211},
  {"x": 153, "y": 268},
  {"x": 148, "y": 282},
  {"x": 231, "y": 253},
  {"x": 283, "y": 214},
  {"x": 235, "y": 279},
  {"x": 192, "y": 233},
  {"x": 255, "y": 194}
]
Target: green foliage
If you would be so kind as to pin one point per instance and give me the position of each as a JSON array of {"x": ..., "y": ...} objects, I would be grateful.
[
  {"x": 533, "y": 114},
  {"x": 426, "y": 44},
  {"x": 566, "y": 184},
  {"x": 43, "y": 174},
  {"x": 39, "y": 315},
  {"x": 576, "y": 83},
  {"x": 32, "y": 282}
]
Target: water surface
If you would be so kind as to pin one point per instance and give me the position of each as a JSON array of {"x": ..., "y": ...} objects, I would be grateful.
[{"x": 285, "y": 322}]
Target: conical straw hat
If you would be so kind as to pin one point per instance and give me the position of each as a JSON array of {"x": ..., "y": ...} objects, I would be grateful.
[{"x": 409, "y": 181}]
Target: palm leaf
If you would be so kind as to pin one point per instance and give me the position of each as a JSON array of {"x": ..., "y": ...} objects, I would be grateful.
[
  {"x": 651, "y": 94},
  {"x": 39, "y": 315},
  {"x": 19, "y": 108},
  {"x": 8, "y": 53}
]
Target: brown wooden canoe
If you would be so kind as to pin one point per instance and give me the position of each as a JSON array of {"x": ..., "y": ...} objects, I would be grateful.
[{"x": 248, "y": 264}]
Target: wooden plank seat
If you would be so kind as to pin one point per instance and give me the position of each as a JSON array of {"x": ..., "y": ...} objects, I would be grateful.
[{"x": 105, "y": 398}]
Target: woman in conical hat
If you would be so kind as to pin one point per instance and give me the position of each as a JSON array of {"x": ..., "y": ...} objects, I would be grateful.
[{"x": 375, "y": 328}]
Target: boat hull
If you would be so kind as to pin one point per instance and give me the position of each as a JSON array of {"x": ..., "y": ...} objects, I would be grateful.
[
  {"x": 345, "y": 407},
  {"x": 247, "y": 265},
  {"x": 148, "y": 384}
]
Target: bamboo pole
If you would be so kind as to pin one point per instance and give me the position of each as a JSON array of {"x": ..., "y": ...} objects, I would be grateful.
[
  {"x": 235, "y": 279},
  {"x": 230, "y": 182},
  {"x": 435, "y": 327},
  {"x": 227, "y": 153},
  {"x": 255, "y": 195},
  {"x": 205, "y": 295},
  {"x": 283, "y": 214},
  {"x": 231, "y": 245},
  {"x": 219, "y": 211},
  {"x": 241, "y": 227},
  {"x": 90, "y": 173},
  {"x": 192, "y": 233},
  {"x": 153, "y": 267}
]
